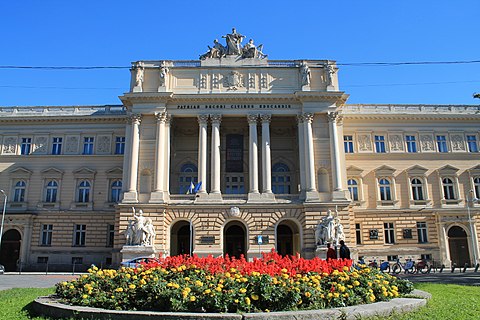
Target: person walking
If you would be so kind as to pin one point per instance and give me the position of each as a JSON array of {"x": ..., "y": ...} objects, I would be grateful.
[
  {"x": 344, "y": 251},
  {"x": 331, "y": 253}
]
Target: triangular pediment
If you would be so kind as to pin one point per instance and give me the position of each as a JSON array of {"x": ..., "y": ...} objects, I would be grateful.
[
  {"x": 475, "y": 170},
  {"x": 52, "y": 170},
  {"x": 416, "y": 170},
  {"x": 385, "y": 171},
  {"x": 84, "y": 171},
  {"x": 354, "y": 171},
  {"x": 21, "y": 171},
  {"x": 448, "y": 169},
  {"x": 115, "y": 171}
]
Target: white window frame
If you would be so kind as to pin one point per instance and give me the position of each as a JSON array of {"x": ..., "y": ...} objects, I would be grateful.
[
  {"x": 49, "y": 188},
  {"x": 422, "y": 232},
  {"x": 57, "y": 146},
  {"x": 230, "y": 184},
  {"x": 88, "y": 145},
  {"x": 389, "y": 232},
  {"x": 475, "y": 142},
  {"x": 80, "y": 234},
  {"x": 19, "y": 191},
  {"x": 279, "y": 172},
  {"x": 120, "y": 145},
  {"x": 26, "y": 146},
  {"x": 414, "y": 141},
  {"x": 46, "y": 235},
  {"x": 380, "y": 143},
  {"x": 84, "y": 192},
  {"x": 117, "y": 188},
  {"x": 441, "y": 144},
  {"x": 348, "y": 145}
]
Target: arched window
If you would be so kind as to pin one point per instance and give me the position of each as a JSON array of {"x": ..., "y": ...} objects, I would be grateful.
[
  {"x": 385, "y": 189},
  {"x": 353, "y": 188},
  {"x": 281, "y": 179},
  {"x": 115, "y": 190},
  {"x": 417, "y": 189},
  {"x": 448, "y": 189},
  {"x": 19, "y": 191},
  {"x": 84, "y": 191},
  {"x": 476, "y": 187},
  {"x": 51, "y": 191},
  {"x": 188, "y": 176}
]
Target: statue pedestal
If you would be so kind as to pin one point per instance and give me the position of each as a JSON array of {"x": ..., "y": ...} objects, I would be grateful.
[
  {"x": 321, "y": 252},
  {"x": 131, "y": 252}
]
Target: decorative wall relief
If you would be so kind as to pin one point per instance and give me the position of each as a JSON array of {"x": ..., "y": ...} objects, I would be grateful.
[
  {"x": 41, "y": 145},
  {"x": 426, "y": 142},
  {"x": 9, "y": 145},
  {"x": 396, "y": 142},
  {"x": 458, "y": 143},
  {"x": 71, "y": 144},
  {"x": 364, "y": 142},
  {"x": 104, "y": 145}
]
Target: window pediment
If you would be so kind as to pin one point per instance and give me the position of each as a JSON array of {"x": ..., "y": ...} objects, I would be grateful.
[
  {"x": 21, "y": 172},
  {"x": 114, "y": 172},
  {"x": 384, "y": 171},
  {"x": 448, "y": 170},
  {"x": 416, "y": 170},
  {"x": 52, "y": 172},
  {"x": 84, "y": 172},
  {"x": 474, "y": 171},
  {"x": 354, "y": 171}
]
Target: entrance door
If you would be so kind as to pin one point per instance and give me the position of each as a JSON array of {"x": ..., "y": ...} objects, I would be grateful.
[
  {"x": 234, "y": 240},
  {"x": 458, "y": 244},
  {"x": 180, "y": 238},
  {"x": 284, "y": 240},
  {"x": 10, "y": 250}
]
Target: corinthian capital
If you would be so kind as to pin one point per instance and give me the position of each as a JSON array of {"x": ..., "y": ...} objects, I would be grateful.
[
  {"x": 252, "y": 118},
  {"x": 307, "y": 117},
  {"x": 332, "y": 116},
  {"x": 161, "y": 116},
  {"x": 202, "y": 118},
  {"x": 134, "y": 118},
  {"x": 266, "y": 117},
  {"x": 300, "y": 118},
  {"x": 216, "y": 118}
]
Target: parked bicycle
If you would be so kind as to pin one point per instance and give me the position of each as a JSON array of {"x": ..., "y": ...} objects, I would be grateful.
[
  {"x": 384, "y": 265},
  {"x": 408, "y": 266},
  {"x": 423, "y": 266}
]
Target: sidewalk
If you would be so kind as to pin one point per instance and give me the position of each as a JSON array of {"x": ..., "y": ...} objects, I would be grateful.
[
  {"x": 469, "y": 277},
  {"x": 11, "y": 280}
]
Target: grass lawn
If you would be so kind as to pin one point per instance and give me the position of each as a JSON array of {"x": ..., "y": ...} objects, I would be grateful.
[{"x": 448, "y": 302}]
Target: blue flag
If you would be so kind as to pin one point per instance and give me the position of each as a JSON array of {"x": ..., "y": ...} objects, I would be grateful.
[
  {"x": 197, "y": 187},
  {"x": 191, "y": 188}
]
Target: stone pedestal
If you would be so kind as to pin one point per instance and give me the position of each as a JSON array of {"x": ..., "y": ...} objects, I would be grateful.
[
  {"x": 131, "y": 252},
  {"x": 321, "y": 252}
]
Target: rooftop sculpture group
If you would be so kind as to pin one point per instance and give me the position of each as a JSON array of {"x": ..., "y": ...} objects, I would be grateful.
[{"x": 234, "y": 48}]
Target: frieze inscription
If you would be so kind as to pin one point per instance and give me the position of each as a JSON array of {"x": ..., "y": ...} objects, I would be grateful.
[{"x": 235, "y": 106}]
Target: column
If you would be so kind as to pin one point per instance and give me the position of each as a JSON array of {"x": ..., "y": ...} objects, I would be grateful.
[
  {"x": 135, "y": 146},
  {"x": 309, "y": 153},
  {"x": 266, "y": 157},
  {"x": 334, "y": 151},
  {"x": 202, "y": 152},
  {"x": 161, "y": 117},
  {"x": 253, "y": 153},
  {"x": 168, "y": 126},
  {"x": 126, "y": 155},
  {"x": 301, "y": 151},
  {"x": 215, "y": 171}
]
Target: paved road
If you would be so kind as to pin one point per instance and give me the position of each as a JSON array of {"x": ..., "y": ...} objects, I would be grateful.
[
  {"x": 29, "y": 280},
  {"x": 468, "y": 278}
]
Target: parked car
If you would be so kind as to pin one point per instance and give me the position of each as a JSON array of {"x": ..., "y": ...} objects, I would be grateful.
[
  {"x": 136, "y": 262},
  {"x": 2, "y": 269}
]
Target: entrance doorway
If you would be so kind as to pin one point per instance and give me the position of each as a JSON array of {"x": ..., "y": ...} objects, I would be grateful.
[
  {"x": 234, "y": 240},
  {"x": 287, "y": 238},
  {"x": 458, "y": 244},
  {"x": 180, "y": 239},
  {"x": 10, "y": 250}
]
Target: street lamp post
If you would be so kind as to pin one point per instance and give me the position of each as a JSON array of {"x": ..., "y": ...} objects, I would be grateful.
[
  {"x": 3, "y": 215},
  {"x": 472, "y": 199}
]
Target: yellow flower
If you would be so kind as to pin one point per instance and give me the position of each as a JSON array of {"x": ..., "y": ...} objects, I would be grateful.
[
  {"x": 308, "y": 294},
  {"x": 192, "y": 298},
  {"x": 71, "y": 287},
  {"x": 187, "y": 278},
  {"x": 336, "y": 294},
  {"x": 131, "y": 286},
  {"x": 254, "y": 297},
  {"x": 284, "y": 270},
  {"x": 198, "y": 283},
  {"x": 372, "y": 297},
  {"x": 207, "y": 291},
  {"x": 119, "y": 289},
  {"x": 64, "y": 283},
  {"x": 247, "y": 301},
  {"x": 300, "y": 302},
  {"x": 242, "y": 290},
  {"x": 236, "y": 300},
  {"x": 128, "y": 275}
]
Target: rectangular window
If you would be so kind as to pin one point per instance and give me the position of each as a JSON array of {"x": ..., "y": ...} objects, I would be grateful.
[
  {"x": 392, "y": 258},
  {"x": 110, "y": 235},
  {"x": 389, "y": 232},
  {"x": 119, "y": 145},
  {"x": 472, "y": 143},
  {"x": 380, "y": 144},
  {"x": 348, "y": 144},
  {"x": 57, "y": 145},
  {"x": 426, "y": 256},
  {"x": 43, "y": 260},
  {"x": 234, "y": 184},
  {"x": 442, "y": 144},
  {"x": 422, "y": 232},
  {"x": 88, "y": 145},
  {"x": 26, "y": 146},
  {"x": 358, "y": 233},
  {"x": 411, "y": 144},
  {"x": 47, "y": 232},
  {"x": 79, "y": 236}
]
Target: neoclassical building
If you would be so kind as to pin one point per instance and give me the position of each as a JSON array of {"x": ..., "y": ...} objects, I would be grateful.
[{"x": 238, "y": 154}]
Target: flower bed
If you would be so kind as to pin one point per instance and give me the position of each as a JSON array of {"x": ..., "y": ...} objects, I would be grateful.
[{"x": 194, "y": 284}]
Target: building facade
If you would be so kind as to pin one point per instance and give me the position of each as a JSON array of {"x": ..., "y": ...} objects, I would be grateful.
[{"x": 238, "y": 154}]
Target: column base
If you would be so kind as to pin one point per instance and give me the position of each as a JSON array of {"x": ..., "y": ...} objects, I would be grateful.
[
  {"x": 312, "y": 196},
  {"x": 158, "y": 197},
  {"x": 130, "y": 197},
  {"x": 256, "y": 250},
  {"x": 321, "y": 252}
]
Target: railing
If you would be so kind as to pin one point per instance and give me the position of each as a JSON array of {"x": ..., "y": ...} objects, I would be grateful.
[
  {"x": 61, "y": 111},
  {"x": 409, "y": 109}
]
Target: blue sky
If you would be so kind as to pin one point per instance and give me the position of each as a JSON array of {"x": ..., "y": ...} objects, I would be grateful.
[{"x": 115, "y": 33}]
